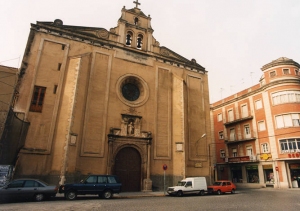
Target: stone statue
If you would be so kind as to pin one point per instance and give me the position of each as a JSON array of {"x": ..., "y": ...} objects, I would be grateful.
[{"x": 130, "y": 129}]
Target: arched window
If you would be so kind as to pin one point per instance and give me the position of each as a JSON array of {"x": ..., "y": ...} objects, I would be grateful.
[
  {"x": 139, "y": 41},
  {"x": 129, "y": 38}
]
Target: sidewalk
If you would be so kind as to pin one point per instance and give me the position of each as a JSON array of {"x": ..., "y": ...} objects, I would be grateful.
[
  {"x": 127, "y": 194},
  {"x": 139, "y": 194}
]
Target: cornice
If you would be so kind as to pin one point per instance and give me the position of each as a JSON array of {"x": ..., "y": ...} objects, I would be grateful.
[{"x": 285, "y": 81}]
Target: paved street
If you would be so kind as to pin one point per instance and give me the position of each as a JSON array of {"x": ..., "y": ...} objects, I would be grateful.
[{"x": 253, "y": 199}]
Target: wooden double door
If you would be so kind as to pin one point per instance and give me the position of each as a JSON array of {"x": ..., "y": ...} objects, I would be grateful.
[{"x": 128, "y": 169}]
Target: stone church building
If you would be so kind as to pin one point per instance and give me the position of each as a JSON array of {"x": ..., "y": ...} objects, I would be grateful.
[{"x": 112, "y": 102}]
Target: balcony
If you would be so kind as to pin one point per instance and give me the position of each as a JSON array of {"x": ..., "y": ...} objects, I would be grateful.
[
  {"x": 236, "y": 139},
  {"x": 230, "y": 123}
]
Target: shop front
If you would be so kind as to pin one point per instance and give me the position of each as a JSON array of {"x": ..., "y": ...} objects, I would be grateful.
[
  {"x": 295, "y": 174},
  {"x": 252, "y": 174},
  {"x": 268, "y": 175}
]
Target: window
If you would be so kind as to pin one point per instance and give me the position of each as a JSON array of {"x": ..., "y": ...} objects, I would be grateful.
[
  {"x": 37, "y": 100},
  {"x": 249, "y": 150},
  {"x": 91, "y": 179},
  {"x": 261, "y": 126},
  {"x": 222, "y": 153},
  {"x": 265, "y": 148},
  {"x": 230, "y": 115},
  {"x": 288, "y": 120},
  {"x": 234, "y": 152},
  {"x": 247, "y": 131},
  {"x": 286, "y": 97},
  {"x": 272, "y": 74},
  {"x": 286, "y": 71},
  {"x": 220, "y": 117},
  {"x": 32, "y": 183},
  {"x": 54, "y": 89},
  {"x": 58, "y": 66},
  {"x": 296, "y": 72},
  {"x": 258, "y": 104},
  {"x": 102, "y": 179},
  {"x": 221, "y": 135},
  {"x": 232, "y": 134},
  {"x": 16, "y": 184},
  {"x": 290, "y": 145},
  {"x": 244, "y": 111}
]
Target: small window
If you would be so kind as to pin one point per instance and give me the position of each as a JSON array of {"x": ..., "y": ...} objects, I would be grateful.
[
  {"x": 258, "y": 104},
  {"x": 220, "y": 117},
  {"x": 234, "y": 152},
  {"x": 286, "y": 71},
  {"x": 221, "y": 135},
  {"x": 296, "y": 71},
  {"x": 54, "y": 89},
  {"x": 244, "y": 111},
  {"x": 230, "y": 115},
  {"x": 264, "y": 148},
  {"x": 102, "y": 179},
  {"x": 16, "y": 184},
  {"x": 222, "y": 153},
  {"x": 58, "y": 66},
  {"x": 261, "y": 126},
  {"x": 63, "y": 47},
  {"x": 37, "y": 100},
  {"x": 91, "y": 179},
  {"x": 111, "y": 179},
  {"x": 272, "y": 74},
  {"x": 232, "y": 134}
]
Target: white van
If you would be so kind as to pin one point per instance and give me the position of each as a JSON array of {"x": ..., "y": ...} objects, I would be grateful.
[
  {"x": 6, "y": 173},
  {"x": 190, "y": 185}
]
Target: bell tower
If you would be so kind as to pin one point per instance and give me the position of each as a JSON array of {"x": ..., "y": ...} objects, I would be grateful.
[{"x": 134, "y": 29}]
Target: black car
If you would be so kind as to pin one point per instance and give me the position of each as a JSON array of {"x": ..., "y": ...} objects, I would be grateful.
[
  {"x": 27, "y": 189},
  {"x": 102, "y": 185}
]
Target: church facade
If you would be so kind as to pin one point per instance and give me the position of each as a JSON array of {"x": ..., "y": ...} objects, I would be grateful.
[{"x": 112, "y": 102}]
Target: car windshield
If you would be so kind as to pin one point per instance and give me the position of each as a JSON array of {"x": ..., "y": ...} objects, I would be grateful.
[
  {"x": 181, "y": 183},
  {"x": 217, "y": 183}
]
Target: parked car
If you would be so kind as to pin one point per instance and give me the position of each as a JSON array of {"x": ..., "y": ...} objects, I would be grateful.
[
  {"x": 190, "y": 185},
  {"x": 221, "y": 186},
  {"x": 27, "y": 189},
  {"x": 102, "y": 185}
]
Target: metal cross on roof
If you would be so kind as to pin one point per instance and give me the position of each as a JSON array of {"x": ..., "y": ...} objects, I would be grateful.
[{"x": 137, "y": 3}]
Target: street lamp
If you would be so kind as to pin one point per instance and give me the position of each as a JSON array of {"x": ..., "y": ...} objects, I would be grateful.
[{"x": 198, "y": 142}]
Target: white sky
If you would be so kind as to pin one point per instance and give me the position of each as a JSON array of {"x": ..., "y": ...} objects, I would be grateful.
[{"x": 232, "y": 39}]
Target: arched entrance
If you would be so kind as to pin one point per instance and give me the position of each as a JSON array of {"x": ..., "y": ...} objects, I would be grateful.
[{"x": 128, "y": 168}]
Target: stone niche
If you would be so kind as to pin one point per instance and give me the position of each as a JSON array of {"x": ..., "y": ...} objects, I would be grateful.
[{"x": 130, "y": 127}]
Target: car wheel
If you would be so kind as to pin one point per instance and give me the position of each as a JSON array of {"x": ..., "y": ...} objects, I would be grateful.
[
  {"x": 107, "y": 194},
  {"x": 201, "y": 193},
  {"x": 219, "y": 192},
  {"x": 232, "y": 191},
  {"x": 71, "y": 195},
  {"x": 179, "y": 193},
  {"x": 39, "y": 197}
]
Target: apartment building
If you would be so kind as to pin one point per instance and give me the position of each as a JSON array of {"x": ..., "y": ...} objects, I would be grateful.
[{"x": 256, "y": 131}]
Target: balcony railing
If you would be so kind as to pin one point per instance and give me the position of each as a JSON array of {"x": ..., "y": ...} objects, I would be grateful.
[
  {"x": 241, "y": 118},
  {"x": 236, "y": 140},
  {"x": 238, "y": 121}
]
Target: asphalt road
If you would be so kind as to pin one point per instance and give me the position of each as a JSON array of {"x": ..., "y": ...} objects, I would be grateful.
[{"x": 252, "y": 200}]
